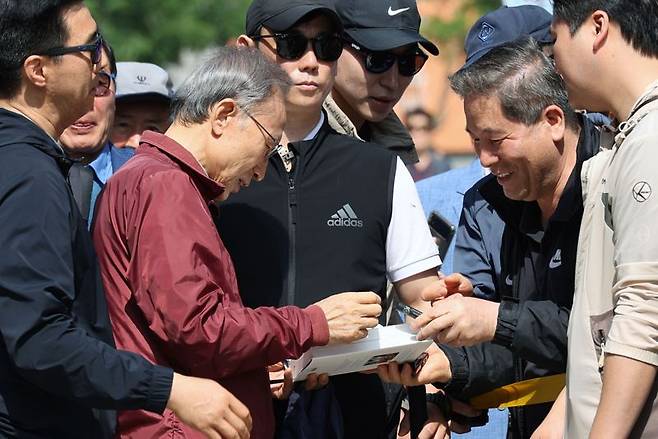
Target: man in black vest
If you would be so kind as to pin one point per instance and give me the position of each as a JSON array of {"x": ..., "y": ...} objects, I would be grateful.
[{"x": 331, "y": 214}]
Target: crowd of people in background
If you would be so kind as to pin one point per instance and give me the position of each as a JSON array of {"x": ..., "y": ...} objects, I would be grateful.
[{"x": 164, "y": 251}]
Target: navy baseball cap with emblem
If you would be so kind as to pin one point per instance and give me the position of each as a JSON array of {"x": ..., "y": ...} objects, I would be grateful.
[
  {"x": 281, "y": 15},
  {"x": 504, "y": 25},
  {"x": 381, "y": 26}
]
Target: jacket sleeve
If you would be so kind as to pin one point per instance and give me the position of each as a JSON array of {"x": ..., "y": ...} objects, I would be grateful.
[
  {"x": 478, "y": 369},
  {"x": 39, "y": 333},
  {"x": 179, "y": 271},
  {"x": 472, "y": 257},
  {"x": 535, "y": 330}
]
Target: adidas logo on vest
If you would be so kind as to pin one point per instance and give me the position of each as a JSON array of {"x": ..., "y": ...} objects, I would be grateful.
[{"x": 345, "y": 217}]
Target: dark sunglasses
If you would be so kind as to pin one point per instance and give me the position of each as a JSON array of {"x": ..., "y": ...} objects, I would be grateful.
[
  {"x": 276, "y": 146},
  {"x": 95, "y": 48},
  {"x": 104, "y": 87},
  {"x": 293, "y": 45},
  {"x": 409, "y": 63}
]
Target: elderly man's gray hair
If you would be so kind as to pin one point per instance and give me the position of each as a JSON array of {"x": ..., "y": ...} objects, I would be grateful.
[
  {"x": 522, "y": 77},
  {"x": 243, "y": 74}
]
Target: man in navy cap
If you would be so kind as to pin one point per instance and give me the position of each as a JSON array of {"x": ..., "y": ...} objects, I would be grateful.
[
  {"x": 534, "y": 144},
  {"x": 383, "y": 52},
  {"x": 477, "y": 255},
  {"x": 475, "y": 251}
]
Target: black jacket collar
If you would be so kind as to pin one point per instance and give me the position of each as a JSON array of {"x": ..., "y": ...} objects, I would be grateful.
[{"x": 16, "y": 129}]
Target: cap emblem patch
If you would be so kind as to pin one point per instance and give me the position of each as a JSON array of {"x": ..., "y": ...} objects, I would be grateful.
[{"x": 486, "y": 32}]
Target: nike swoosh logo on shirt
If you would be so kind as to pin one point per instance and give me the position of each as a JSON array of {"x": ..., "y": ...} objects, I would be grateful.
[
  {"x": 395, "y": 12},
  {"x": 554, "y": 263}
]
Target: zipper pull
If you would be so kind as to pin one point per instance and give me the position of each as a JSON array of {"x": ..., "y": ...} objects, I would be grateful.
[{"x": 602, "y": 354}]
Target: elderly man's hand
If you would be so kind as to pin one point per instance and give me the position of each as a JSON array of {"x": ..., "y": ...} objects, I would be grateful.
[
  {"x": 208, "y": 407},
  {"x": 458, "y": 321},
  {"x": 436, "y": 368},
  {"x": 280, "y": 380},
  {"x": 349, "y": 315}
]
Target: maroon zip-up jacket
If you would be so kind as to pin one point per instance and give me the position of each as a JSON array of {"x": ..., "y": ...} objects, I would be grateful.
[{"x": 172, "y": 292}]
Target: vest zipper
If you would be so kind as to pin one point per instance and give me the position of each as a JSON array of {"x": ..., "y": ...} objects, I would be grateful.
[{"x": 292, "y": 234}]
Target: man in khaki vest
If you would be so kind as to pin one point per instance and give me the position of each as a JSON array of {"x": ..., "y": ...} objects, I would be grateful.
[{"x": 607, "y": 52}]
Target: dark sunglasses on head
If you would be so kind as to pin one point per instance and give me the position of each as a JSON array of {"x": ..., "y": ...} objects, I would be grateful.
[
  {"x": 95, "y": 48},
  {"x": 409, "y": 63},
  {"x": 293, "y": 45}
]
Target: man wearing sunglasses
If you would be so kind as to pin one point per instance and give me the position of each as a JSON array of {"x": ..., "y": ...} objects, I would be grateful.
[
  {"x": 331, "y": 214},
  {"x": 87, "y": 140},
  {"x": 60, "y": 375},
  {"x": 383, "y": 52}
]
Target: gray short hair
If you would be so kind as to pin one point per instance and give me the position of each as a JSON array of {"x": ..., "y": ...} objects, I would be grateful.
[
  {"x": 522, "y": 77},
  {"x": 243, "y": 74}
]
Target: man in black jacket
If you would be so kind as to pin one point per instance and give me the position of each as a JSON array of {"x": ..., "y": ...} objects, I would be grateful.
[
  {"x": 331, "y": 213},
  {"x": 525, "y": 132},
  {"x": 60, "y": 376}
]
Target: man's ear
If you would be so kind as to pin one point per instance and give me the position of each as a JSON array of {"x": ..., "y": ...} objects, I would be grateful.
[
  {"x": 601, "y": 22},
  {"x": 221, "y": 114},
  {"x": 35, "y": 70},
  {"x": 245, "y": 41},
  {"x": 556, "y": 121}
]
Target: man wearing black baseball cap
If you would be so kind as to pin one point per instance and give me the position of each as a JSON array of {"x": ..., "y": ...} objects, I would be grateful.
[
  {"x": 384, "y": 50},
  {"x": 332, "y": 214}
]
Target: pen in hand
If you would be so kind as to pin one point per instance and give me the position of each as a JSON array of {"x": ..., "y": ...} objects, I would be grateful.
[{"x": 408, "y": 310}]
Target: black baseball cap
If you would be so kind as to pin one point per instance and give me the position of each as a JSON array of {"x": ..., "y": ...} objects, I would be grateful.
[
  {"x": 504, "y": 25},
  {"x": 381, "y": 26},
  {"x": 281, "y": 15}
]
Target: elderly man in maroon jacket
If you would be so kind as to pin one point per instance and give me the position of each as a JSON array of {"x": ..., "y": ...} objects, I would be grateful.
[{"x": 170, "y": 283}]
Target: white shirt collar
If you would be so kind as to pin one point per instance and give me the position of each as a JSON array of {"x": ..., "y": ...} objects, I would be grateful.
[{"x": 314, "y": 132}]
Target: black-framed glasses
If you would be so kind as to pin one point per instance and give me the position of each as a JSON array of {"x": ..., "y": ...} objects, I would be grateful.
[
  {"x": 95, "y": 48},
  {"x": 409, "y": 63},
  {"x": 276, "y": 145},
  {"x": 293, "y": 45},
  {"x": 104, "y": 87}
]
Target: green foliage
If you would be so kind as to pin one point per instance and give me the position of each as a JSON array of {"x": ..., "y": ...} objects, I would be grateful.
[
  {"x": 455, "y": 29},
  {"x": 157, "y": 30}
]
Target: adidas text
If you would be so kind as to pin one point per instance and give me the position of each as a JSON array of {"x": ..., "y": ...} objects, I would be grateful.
[{"x": 344, "y": 222}]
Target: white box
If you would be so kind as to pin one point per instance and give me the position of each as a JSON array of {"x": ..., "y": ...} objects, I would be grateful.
[{"x": 382, "y": 345}]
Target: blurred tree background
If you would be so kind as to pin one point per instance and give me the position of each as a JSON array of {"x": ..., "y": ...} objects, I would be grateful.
[
  {"x": 158, "y": 30},
  {"x": 456, "y": 28}
]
